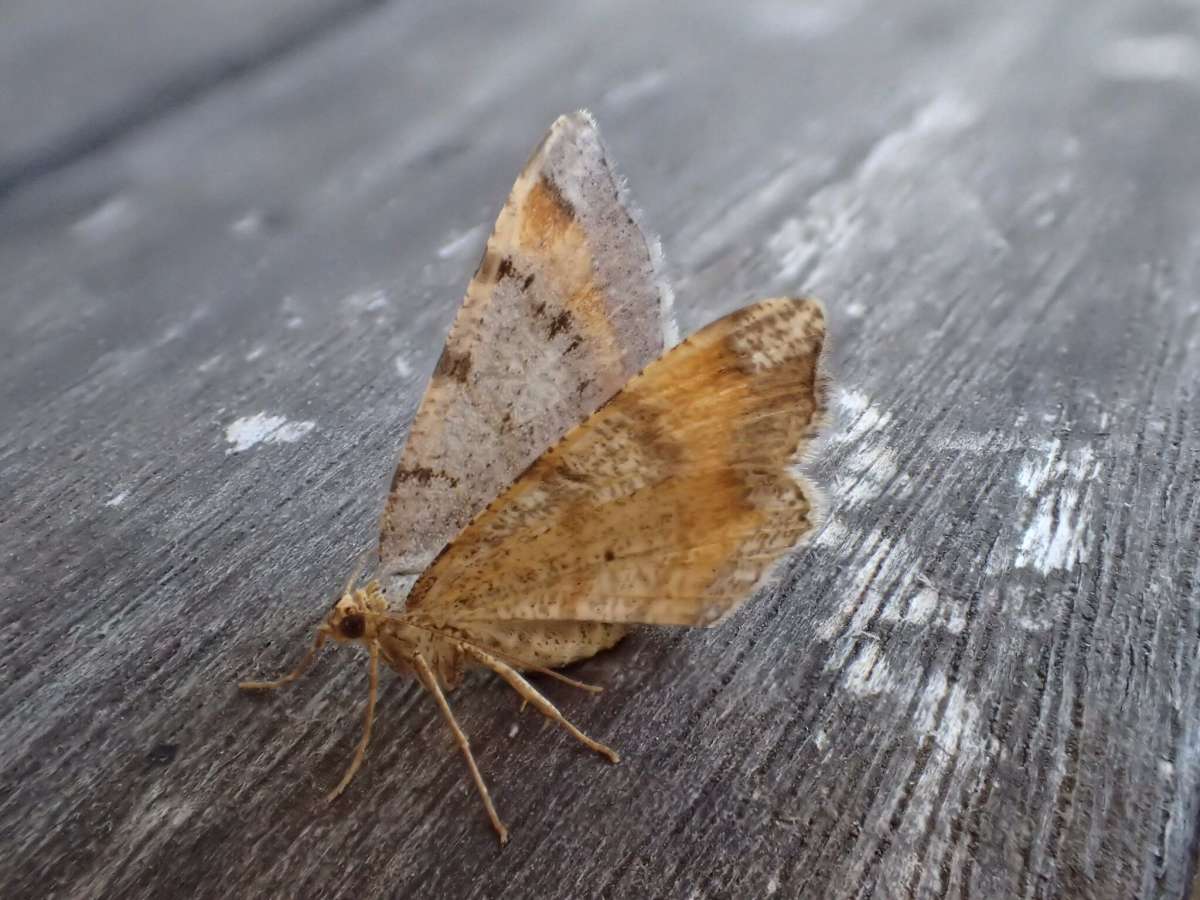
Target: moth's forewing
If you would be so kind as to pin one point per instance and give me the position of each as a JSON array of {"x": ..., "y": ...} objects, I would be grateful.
[
  {"x": 670, "y": 504},
  {"x": 566, "y": 305}
]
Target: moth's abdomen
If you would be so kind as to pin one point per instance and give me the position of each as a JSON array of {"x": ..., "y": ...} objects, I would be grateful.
[
  {"x": 402, "y": 641},
  {"x": 545, "y": 644}
]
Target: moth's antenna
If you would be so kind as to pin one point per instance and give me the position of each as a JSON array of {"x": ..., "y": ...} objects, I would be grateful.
[{"x": 358, "y": 570}]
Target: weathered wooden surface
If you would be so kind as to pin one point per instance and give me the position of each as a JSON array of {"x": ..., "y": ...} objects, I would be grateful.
[{"x": 980, "y": 680}]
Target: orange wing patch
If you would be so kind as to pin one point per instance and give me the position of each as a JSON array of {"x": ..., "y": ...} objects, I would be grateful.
[{"x": 669, "y": 505}]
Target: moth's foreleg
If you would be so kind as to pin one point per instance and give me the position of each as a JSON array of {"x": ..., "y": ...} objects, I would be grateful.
[
  {"x": 309, "y": 659},
  {"x": 430, "y": 681},
  {"x": 531, "y": 695},
  {"x": 361, "y": 752}
]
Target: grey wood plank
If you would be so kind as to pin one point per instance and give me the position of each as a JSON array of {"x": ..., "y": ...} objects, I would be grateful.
[
  {"x": 979, "y": 680},
  {"x": 78, "y": 76}
]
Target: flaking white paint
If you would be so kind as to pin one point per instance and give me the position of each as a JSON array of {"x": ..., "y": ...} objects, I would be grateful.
[
  {"x": 260, "y": 428},
  {"x": 1057, "y": 480}
]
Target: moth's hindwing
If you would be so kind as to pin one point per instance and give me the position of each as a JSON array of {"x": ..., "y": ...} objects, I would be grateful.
[{"x": 670, "y": 504}]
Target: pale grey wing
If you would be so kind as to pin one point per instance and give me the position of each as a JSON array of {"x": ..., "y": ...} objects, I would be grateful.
[{"x": 567, "y": 304}]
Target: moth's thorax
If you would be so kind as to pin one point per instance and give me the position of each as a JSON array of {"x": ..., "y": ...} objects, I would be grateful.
[
  {"x": 357, "y": 615},
  {"x": 362, "y": 616}
]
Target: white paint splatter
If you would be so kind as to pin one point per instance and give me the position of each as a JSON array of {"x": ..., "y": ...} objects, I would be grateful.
[
  {"x": 868, "y": 673},
  {"x": 1032, "y": 625},
  {"x": 172, "y": 333},
  {"x": 403, "y": 369},
  {"x": 888, "y": 587},
  {"x": 922, "y": 607},
  {"x": 292, "y": 310},
  {"x": 256, "y": 352},
  {"x": 798, "y": 243},
  {"x": 957, "y": 732},
  {"x": 461, "y": 241},
  {"x": 931, "y": 697},
  {"x": 876, "y": 470},
  {"x": 1158, "y": 58},
  {"x": 866, "y": 416},
  {"x": 772, "y": 886},
  {"x": 249, "y": 224},
  {"x": 369, "y": 300},
  {"x": 1058, "y": 482},
  {"x": 111, "y": 216},
  {"x": 925, "y": 606},
  {"x": 259, "y": 428},
  {"x": 512, "y": 730},
  {"x": 863, "y": 594},
  {"x": 640, "y": 87},
  {"x": 292, "y": 432},
  {"x": 870, "y": 467},
  {"x": 117, "y": 499},
  {"x": 821, "y": 739},
  {"x": 176, "y": 330},
  {"x": 944, "y": 117},
  {"x": 956, "y": 618},
  {"x": 958, "y": 727},
  {"x": 794, "y": 245},
  {"x": 209, "y": 364},
  {"x": 821, "y": 246},
  {"x": 833, "y": 533}
]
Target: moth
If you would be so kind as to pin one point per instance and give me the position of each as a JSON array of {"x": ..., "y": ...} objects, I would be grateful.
[{"x": 564, "y": 478}]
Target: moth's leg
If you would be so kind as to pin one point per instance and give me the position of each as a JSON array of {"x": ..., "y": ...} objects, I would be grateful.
[
  {"x": 430, "y": 681},
  {"x": 309, "y": 659},
  {"x": 531, "y": 695},
  {"x": 366, "y": 738},
  {"x": 557, "y": 676}
]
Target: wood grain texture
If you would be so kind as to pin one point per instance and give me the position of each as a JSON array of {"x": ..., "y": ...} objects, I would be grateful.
[
  {"x": 980, "y": 679},
  {"x": 78, "y": 78}
]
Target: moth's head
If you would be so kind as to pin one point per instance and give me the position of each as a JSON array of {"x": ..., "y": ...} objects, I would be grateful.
[{"x": 355, "y": 615}]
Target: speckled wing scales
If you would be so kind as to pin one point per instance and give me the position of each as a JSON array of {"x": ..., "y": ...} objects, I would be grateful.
[
  {"x": 670, "y": 504},
  {"x": 566, "y": 305}
]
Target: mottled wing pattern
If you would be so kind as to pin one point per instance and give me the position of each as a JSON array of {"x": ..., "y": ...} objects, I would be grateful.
[
  {"x": 566, "y": 305},
  {"x": 670, "y": 504}
]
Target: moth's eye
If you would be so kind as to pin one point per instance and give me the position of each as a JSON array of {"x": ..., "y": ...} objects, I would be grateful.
[{"x": 353, "y": 626}]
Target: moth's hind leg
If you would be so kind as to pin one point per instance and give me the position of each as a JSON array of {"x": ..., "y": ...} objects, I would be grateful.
[
  {"x": 430, "y": 681},
  {"x": 531, "y": 695},
  {"x": 361, "y": 752},
  {"x": 309, "y": 658}
]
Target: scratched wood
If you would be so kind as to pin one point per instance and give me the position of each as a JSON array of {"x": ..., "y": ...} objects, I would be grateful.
[{"x": 980, "y": 680}]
